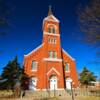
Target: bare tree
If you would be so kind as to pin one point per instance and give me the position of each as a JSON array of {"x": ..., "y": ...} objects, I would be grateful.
[
  {"x": 89, "y": 18},
  {"x": 5, "y": 12}
]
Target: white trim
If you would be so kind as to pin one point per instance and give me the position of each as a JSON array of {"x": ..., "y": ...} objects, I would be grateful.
[
  {"x": 54, "y": 70},
  {"x": 47, "y": 89},
  {"x": 46, "y": 33},
  {"x": 53, "y": 59},
  {"x": 97, "y": 82},
  {"x": 48, "y": 18},
  {"x": 68, "y": 67},
  {"x": 52, "y": 25},
  {"x": 52, "y": 40},
  {"x": 69, "y": 79},
  {"x": 34, "y": 70},
  {"x": 67, "y": 71},
  {"x": 44, "y": 89},
  {"x": 68, "y": 54},
  {"x": 60, "y": 89},
  {"x": 34, "y": 50},
  {"x": 37, "y": 90},
  {"x": 33, "y": 83}
]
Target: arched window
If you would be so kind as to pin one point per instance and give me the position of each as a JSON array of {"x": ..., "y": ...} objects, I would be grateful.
[
  {"x": 53, "y": 30},
  {"x": 55, "y": 54},
  {"x": 49, "y": 29},
  {"x": 34, "y": 65},
  {"x": 66, "y": 67},
  {"x": 52, "y": 54},
  {"x": 52, "y": 41}
]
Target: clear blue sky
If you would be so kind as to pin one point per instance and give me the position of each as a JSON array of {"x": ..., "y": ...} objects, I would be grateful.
[{"x": 25, "y": 32}]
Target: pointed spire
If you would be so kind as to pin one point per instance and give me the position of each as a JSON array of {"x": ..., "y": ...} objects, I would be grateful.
[{"x": 50, "y": 11}]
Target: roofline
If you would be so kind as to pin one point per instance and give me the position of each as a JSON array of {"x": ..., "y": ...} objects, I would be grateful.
[
  {"x": 34, "y": 50},
  {"x": 56, "y": 20},
  {"x": 68, "y": 54}
]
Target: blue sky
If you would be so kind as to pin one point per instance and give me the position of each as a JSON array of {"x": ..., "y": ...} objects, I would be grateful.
[{"x": 25, "y": 32}]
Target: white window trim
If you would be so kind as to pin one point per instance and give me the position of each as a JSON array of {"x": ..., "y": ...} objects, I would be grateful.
[
  {"x": 46, "y": 33},
  {"x": 53, "y": 59},
  {"x": 34, "y": 70},
  {"x": 68, "y": 68},
  {"x": 53, "y": 54},
  {"x": 50, "y": 54},
  {"x": 54, "y": 27},
  {"x": 51, "y": 30},
  {"x": 52, "y": 42},
  {"x": 36, "y": 67},
  {"x": 51, "y": 90}
]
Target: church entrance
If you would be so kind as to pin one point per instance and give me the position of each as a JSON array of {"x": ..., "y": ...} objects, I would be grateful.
[
  {"x": 68, "y": 83},
  {"x": 53, "y": 82},
  {"x": 33, "y": 83}
]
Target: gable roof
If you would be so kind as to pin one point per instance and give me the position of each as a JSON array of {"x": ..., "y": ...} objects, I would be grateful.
[
  {"x": 51, "y": 18},
  {"x": 68, "y": 54},
  {"x": 34, "y": 50}
]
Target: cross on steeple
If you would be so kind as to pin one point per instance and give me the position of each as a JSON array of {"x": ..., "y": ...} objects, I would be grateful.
[{"x": 50, "y": 11}]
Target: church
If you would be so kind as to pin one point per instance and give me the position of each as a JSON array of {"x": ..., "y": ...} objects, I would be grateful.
[{"x": 49, "y": 66}]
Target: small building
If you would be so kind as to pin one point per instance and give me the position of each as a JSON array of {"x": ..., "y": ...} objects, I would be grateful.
[
  {"x": 95, "y": 84},
  {"x": 49, "y": 66}
]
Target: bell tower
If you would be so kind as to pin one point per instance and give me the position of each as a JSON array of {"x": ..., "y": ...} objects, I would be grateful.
[
  {"x": 51, "y": 35},
  {"x": 52, "y": 52}
]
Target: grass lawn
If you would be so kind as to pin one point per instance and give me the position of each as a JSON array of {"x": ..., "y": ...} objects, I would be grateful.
[{"x": 87, "y": 98}]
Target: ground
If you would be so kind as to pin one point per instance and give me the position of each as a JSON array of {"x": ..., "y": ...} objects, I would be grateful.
[
  {"x": 54, "y": 98},
  {"x": 30, "y": 95}
]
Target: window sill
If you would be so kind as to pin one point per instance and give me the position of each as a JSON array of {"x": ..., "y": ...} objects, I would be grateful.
[
  {"x": 67, "y": 71},
  {"x": 51, "y": 34},
  {"x": 53, "y": 59},
  {"x": 34, "y": 70}
]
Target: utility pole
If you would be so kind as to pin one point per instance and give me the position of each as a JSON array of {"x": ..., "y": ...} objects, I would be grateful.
[
  {"x": 72, "y": 92},
  {"x": 54, "y": 91}
]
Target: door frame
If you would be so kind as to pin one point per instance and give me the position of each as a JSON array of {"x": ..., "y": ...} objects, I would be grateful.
[
  {"x": 33, "y": 83},
  {"x": 68, "y": 80},
  {"x": 52, "y": 79}
]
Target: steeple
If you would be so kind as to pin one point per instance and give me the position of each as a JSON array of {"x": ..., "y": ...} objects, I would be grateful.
[
  {"x": 51, "y": 19},
  {"x": 50, "y": 11},
  {"x": 50, "y": 16}
]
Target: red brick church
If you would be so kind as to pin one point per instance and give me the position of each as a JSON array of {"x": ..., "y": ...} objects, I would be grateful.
[{"x": 49, "y": 66}]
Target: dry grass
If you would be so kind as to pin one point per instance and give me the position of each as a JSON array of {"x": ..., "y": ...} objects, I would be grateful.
[
  {"x": 87, "y": 98},
  {"x": 69, "y": 98},
  {"x": 7, "y": 95}
]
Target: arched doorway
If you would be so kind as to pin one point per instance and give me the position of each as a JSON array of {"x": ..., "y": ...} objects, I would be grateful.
[
  {"x": 68, "y": 83},
  {"x": 53, "y": 82},
  {"x": 33, "y": 83}
]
